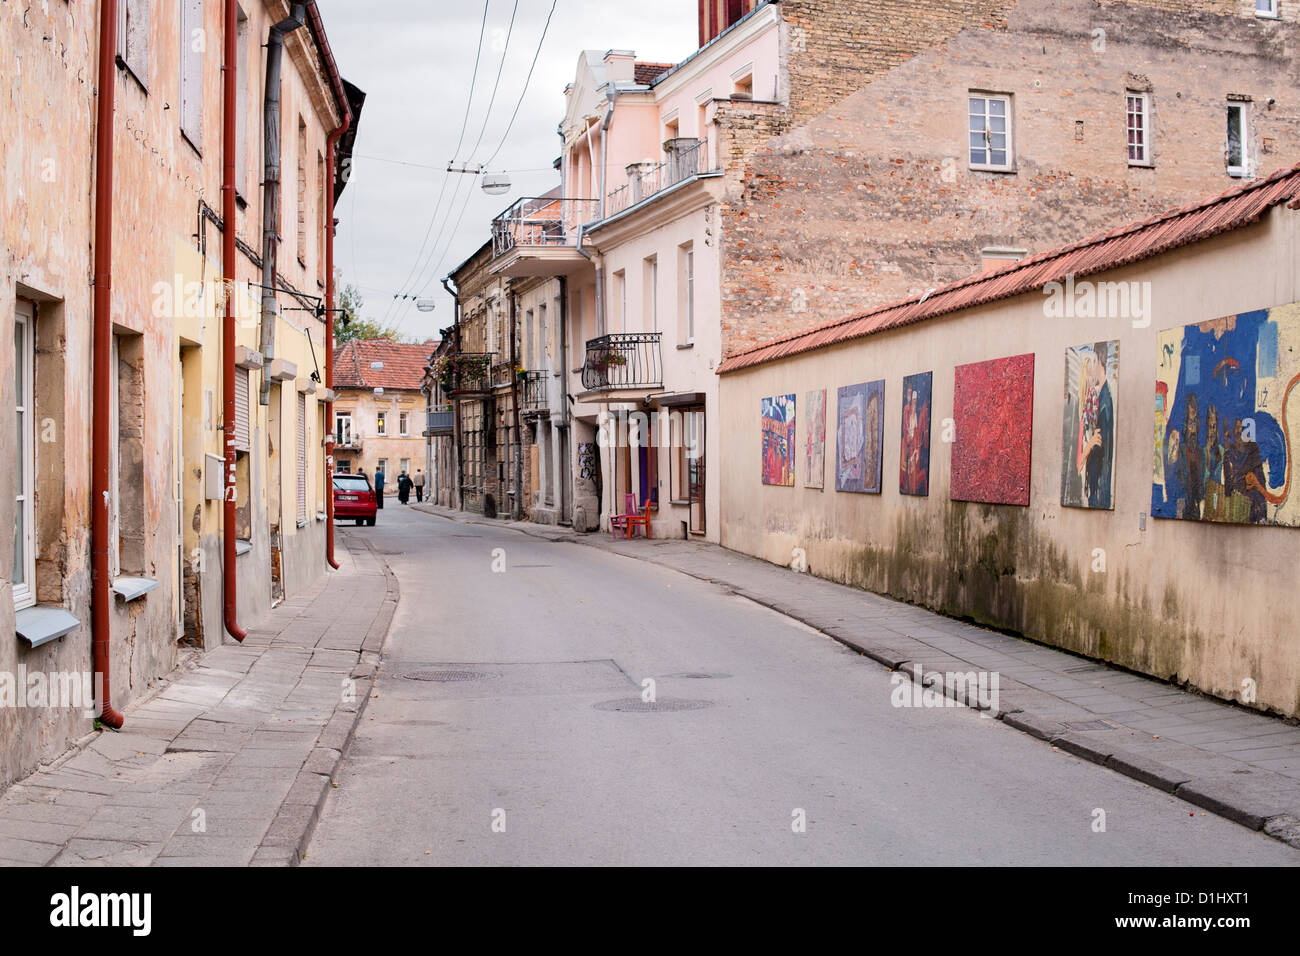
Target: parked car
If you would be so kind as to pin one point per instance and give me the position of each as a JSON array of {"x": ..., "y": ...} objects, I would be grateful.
[{"x": 354, "y": 498}]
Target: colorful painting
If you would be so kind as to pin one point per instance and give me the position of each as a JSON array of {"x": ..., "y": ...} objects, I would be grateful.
[
  {"x": 914, "y": 455},
  {"x": 859, "y": 437},
  {"x": 1088, "y": 442},
  {"x": 993, "y": 413},
  {"x": 778, "y": 440},
  {"x": 1225, "y": 402},
  {"x": 814, "y": 439}
]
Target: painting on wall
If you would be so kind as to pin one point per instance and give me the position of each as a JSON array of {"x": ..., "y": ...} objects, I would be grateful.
[
  {"x": 1088, "y": 441},
  {"x": 778, "y": 440},
  {"x": 814, "y": 432},
  {"x": 993, "y": 414},
  {"x": 859, "y": 437},
  {"x": 1224, "y": 404},
  {"x": 914, "y": 455}
]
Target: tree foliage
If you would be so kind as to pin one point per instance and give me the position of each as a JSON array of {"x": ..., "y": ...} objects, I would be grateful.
[{"x": 349, "y": 323}]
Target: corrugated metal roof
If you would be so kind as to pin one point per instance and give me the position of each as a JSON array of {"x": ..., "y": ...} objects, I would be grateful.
[{"x": 1235, "y": 208}]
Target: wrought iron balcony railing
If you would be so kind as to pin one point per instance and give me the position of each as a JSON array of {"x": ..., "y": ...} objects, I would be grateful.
[
  {"x": 466, "y": 372},
  {"x": 541, "y": 221},
  {"x": 625, "y": 360},
  {"x": 686, "y": 158},
  {"x": 440, "y": 420},
  {"x": 533, "y": 398}
]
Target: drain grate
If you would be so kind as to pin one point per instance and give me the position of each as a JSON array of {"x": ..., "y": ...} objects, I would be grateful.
[
  {"x": 635, "y": 705},
  {"x": 447, "y": 676},
  {"x": 1089, "y": 725}
]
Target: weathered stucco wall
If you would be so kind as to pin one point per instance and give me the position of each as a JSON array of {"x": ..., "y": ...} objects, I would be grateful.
[{"x": 1210, "y": 604}]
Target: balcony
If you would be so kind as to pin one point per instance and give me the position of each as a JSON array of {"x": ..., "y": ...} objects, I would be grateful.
[
  {"x": 464, "y": 374},
  {"x": 622, "y": 367},
  {"x": 503, "y": 374},
  {"x": 687, "y": 158},
  {"x": 348, "y": 439},
  {"x": 439, "y": 420},
  {"x": 538, "y": 236},
  {"x": 533, "y": 400}
]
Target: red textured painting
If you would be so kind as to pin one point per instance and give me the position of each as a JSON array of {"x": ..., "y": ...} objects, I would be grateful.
[{"x": 993, "y": 409}]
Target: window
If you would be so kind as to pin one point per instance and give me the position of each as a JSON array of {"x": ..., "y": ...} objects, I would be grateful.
[
  {"x": 24, "y": 576},
  {"x": 671, "y": 129},
  {"x": 322, "y": 219},
  {"x": 990, "y": 132},
  {"x": 382, "y": 467},
  {"x": 403, "y": 424},
  {"x": 744, "y": 88},
  {"x": 620, "y": 292},
  {"x": 650, "y": 295},
  {"x": 302, "y": 458},
  {"x": 241, "y": 105},
  {"x": 685, "y": 295},
  {"x": 302, "y": 192},
  {"x": 192, "y": 43},
  {"x": 406, "y": 466},
  {"x": 1238, "y": 139},
  {"x": 241, "y": 410},
  {"x": 1267, "y": 9},
  {"x": 133, "y": 39},
  {"x": 381, "y": 423},
  {"x": 1138, "y": 127},
  {"x": 343, "y": 428}
]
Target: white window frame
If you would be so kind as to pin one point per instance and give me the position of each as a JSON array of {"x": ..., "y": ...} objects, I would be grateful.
[
  {"x": 133, "y": 26},
  {"x": 24, "y": 594},
  {"x": 1243, "y": 169},
  {"x": 986, "y": 130},
  {"x": 114, "y": 459},
  {"x": 688, "y": 267},
  {"x": 344, "y": 435},
  {"x": 1268, "y": 9},
  {"x": 1143, "y": 113},
  {"x": 404, "y": 424},
  {"x": 381, "y": 424}
]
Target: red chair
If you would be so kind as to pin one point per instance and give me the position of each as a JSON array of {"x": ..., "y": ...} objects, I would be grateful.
[{"x": 633, "y": 520}]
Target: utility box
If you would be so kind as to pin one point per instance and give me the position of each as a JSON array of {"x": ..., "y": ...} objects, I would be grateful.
[{"x": 214, "y": 472}]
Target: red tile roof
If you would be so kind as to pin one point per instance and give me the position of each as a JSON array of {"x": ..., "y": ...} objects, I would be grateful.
[
  {"x": 1235, "y": 208},
  {"x": 647, "y": 73},
  {"x": 403, "y": 363}
]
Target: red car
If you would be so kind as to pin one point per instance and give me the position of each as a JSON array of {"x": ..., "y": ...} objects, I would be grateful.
[{"x": 354, "y": 498}]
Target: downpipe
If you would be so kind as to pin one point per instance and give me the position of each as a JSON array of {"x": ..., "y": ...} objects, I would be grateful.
[
  {"x": 331, "y": 145},
  {"x": 101, "y": 370}
]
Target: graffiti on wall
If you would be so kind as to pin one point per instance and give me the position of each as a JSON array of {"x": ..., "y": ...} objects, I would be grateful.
[
  {"x": 914, "y": 454},
  {"x": 993, "y": 413},
  {"x": 814, "y": 431},
  {"x": 778, "y": 440},
  {"x": 859, "y": 437},
  {"x": 1224, "y": 391},
  {"x": 1088, "y": 441}
]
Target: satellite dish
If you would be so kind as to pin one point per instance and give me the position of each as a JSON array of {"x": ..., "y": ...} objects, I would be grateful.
[
  {"x": 494, "y": 184},
  {"x": 425, "y": 305}
]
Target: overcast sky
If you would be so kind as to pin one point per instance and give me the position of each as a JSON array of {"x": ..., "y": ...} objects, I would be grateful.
[{"x": 414, "y": 59}]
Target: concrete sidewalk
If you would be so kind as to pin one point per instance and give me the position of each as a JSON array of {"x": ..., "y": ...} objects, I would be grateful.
[
  {"x": 230, "y": 762},
  {"x": 1223, "y": 758}
]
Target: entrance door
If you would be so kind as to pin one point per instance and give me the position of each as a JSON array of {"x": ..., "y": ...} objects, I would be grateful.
[
  {"x": 179, "y": 490},
  {"x": 696, "y": 471}
]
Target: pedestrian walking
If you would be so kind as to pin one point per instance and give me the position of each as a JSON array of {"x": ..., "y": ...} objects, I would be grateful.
[
  {"x": 379, "y": 488},
  {"x": 403, "y": 488},
  {"x": 418, "y": 480}
]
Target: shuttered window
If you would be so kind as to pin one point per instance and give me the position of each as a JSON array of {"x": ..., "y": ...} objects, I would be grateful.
[
  {"x": 302, "y": 458},
  {"x": 192, "y": 45},
  {"x": 241, "y": 410}
]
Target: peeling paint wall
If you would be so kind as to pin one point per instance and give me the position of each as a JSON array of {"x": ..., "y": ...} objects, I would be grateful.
[
  {"x": 1186, "y": 601},
  {"x": 166, "y": 308}
]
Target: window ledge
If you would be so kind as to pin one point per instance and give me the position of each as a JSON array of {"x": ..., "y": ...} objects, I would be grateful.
[
  {"x": 686, "y": 345},
  {"x": 128, "y": 589},
  {"x": 242, "y": 546},
  {"x": 302, "y": 522},
  {"x": 43, "y": 623},
  {"x": 1006, "y": 170}
]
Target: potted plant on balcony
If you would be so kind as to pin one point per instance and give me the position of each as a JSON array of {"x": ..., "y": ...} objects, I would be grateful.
[
  {"x": 603, "y": 362},
  {"x": 457, "y": 371}
]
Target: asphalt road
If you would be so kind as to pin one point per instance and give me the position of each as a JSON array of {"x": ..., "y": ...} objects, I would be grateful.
[{"x": 516, "y": 762}]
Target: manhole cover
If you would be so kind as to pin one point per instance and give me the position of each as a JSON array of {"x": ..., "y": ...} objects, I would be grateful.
[
  {"x": 1089, "y": 725},
  {"x": 696, "y": 675},
  {"x": 447, "y": 676},
  {"x": 635, "y": 705}
]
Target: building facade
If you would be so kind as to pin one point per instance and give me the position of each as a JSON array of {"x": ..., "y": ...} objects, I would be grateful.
[{"x": 116, "y": 280}]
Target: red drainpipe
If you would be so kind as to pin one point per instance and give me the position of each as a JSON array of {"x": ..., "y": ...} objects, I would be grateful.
[
  {"x": 329, "y": 337},
  {"x": 229, "y": 103},
  {"x": 101, "y": 598},
  {"x": 327, "y": 57}
]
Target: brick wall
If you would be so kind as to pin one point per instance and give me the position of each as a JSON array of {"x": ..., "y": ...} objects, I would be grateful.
[{"x": 837, "y": 209}]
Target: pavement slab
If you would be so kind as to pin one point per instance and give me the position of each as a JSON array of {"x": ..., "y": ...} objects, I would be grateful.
[{"x": 233, "y": 751}]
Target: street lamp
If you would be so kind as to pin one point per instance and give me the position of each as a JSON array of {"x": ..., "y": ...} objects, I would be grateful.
[{"x": 494, "y": 184}]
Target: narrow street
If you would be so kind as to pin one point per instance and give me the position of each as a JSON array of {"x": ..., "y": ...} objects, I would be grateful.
[{"x": 516, "y": 756}]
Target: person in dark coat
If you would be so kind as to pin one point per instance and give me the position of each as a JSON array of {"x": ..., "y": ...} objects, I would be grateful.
[
  {"x": 403, "y": 487},
  {"x": 379, "y": 488}
]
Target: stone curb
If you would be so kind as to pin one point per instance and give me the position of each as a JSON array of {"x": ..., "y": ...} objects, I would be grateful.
[
  {"x": 1216, "y": 795},
  {"x": 286, "y": 840}
]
